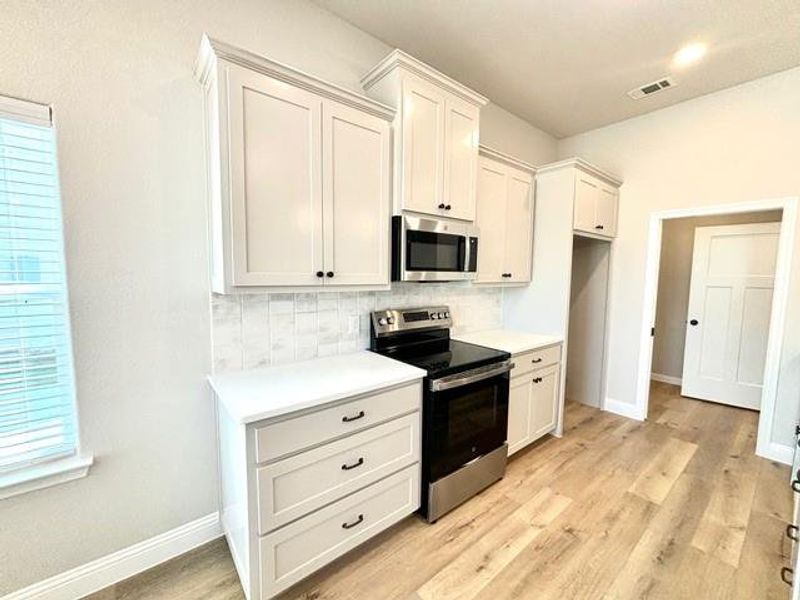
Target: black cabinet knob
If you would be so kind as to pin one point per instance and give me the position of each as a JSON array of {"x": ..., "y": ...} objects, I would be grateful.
[
  {"x": 599, "y": 227},
  {"x": 329, "y": 274},
  {"x": 693, "y": 322},
  {"x": 320, "y": 274},
  {"x": 447, "y": 207},
  {"x": 441, "y": 205}
]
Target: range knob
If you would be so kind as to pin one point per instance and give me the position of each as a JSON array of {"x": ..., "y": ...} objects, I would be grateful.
[
  {"x": 441, "y": 315},
  {"x": 446, "y": 315},
  {"x": 390, "y": 320},
  {"x": 383, "y": 321},
  {"x": 434, "y": 316}
]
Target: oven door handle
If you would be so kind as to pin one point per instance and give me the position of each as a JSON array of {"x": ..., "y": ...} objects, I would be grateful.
[{"x": 471, "y": 376}]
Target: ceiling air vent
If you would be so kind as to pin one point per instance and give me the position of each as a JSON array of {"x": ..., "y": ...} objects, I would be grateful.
[{"x": 654, "y": 87}]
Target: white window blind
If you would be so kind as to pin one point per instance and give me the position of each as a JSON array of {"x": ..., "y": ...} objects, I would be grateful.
[{"x": 37, "y": 398}]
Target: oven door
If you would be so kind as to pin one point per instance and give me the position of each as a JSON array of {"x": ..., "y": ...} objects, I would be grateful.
[{"x": 466, "y": 416}]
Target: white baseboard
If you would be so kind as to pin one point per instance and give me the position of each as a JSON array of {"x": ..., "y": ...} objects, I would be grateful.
[
  {"x": 112, "y": 568},
  {"x": 623, "y": 409},
  {"x": 666, "y": 378},
  {"x": 777, "y": 452}
]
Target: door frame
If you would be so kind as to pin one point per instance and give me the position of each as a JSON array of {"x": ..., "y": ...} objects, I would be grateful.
[{"x": 780, "y": 299}]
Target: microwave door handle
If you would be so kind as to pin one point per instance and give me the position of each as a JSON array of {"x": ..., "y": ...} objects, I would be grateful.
[{"x": 462, "y": 379}]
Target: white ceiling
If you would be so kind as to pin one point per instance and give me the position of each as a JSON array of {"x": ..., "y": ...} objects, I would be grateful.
[{"x": 566, "y": 65}]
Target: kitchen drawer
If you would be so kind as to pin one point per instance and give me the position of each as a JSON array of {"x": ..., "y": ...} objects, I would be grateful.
[
  {"x": 300, "y": 548},
  {"x": 535, "y": 359},
  {"x": 296, "y": 486},
  {"x": 292, "y": 435}
]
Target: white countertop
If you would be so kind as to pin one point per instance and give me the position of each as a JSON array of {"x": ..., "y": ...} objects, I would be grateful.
[
  {"x": 274, "y": 391},
  {"x": 506, "y": 340}
]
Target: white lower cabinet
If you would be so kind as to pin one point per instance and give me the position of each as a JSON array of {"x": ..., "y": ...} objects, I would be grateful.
[
  {"x": 534, "y": 396},
  {"x": 299, "y": 549},
  {"x": 300, "y": 490}
]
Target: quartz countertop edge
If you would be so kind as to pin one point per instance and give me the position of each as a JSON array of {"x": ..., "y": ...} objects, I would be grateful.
[
  {"x": 509, "y": 340},
  {"x": 270, "y": 392}
]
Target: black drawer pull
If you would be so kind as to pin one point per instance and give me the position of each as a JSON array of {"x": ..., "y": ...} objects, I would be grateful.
[
  {"x": 791, "y": 532},
  {"x": 787, "y": 575},
  {"x": 358, "y": 463},
  {"x": 536, "y": 360},
  {"x": 796, "y": 485},
  {"x": 354, "y": 523},
  {"x": 599, "y": 227},
  {"x": 360, "y": 415}
]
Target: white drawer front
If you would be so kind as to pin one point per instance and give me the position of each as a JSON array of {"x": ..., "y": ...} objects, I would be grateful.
[
  {"x": 296, "y": 486},
  {"x": 292, "y": 435},
  {"x": 535, "y": 359},
  {"x": 297, "y": 550}
]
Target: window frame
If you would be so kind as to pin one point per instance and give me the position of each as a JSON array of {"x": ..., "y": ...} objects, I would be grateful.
[{"x": 43, "y": 473}]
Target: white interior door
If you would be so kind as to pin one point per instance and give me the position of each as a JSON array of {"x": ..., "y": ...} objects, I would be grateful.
[{"x": 730, "y": 299}]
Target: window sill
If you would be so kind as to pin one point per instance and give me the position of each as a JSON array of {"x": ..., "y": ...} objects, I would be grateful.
[{"x": 45, "y": 475}]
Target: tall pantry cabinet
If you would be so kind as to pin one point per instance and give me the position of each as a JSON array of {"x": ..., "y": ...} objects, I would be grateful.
[
  {"x": 299, "y": 176},
  {"x": 436, "y": 136}
]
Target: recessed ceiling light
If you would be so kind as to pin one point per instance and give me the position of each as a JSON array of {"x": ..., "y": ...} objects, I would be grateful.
[{"x": 689, "y": 54}]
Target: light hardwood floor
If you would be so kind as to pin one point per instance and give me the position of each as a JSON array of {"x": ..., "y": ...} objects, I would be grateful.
[{"x": 676, "y": 507}]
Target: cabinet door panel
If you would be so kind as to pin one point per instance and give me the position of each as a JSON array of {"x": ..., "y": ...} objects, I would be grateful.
[
  {"x": 356, "y": 193},
  {"x": 544, "y": 403},
  {"x": 276, "y": 197},
  {"x": 606, "y": 211},
  {"x": 423, "y": 146},
  {"x": 519, "y": 412},
  {"x": 491, "y": 219},
  {"x": 519, "y": 226},
  {"x": 586, "y": 192},
  {"x": 461, "y": 158}
]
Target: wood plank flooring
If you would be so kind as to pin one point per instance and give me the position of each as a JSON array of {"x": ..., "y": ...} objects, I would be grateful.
[{"x": 676, "y": 507}]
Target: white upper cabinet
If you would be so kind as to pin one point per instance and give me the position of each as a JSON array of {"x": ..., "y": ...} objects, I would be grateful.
[
  {"x": 595, "y": 197},
  {"x": 356, "y": 167},
  {"x": 505, "y": 207},
  {"x": 436, "y": 136},
  {"x": 595, "y": 205},
  {"x": 275, "y": 187},
  {"x": 299, "y": 173}
]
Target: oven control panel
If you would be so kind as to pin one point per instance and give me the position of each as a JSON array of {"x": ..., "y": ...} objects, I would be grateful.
[{"x": 397, "y": 320}]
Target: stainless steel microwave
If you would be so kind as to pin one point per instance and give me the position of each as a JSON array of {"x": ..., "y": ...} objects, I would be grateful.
[{"x": 433, "y": 249}]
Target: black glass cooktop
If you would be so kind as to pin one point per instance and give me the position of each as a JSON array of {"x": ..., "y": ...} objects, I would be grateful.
[{"x": 445, "y": 357}]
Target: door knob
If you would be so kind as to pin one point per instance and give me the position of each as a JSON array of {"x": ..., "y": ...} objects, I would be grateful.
[{"x": 693, "y": 322}]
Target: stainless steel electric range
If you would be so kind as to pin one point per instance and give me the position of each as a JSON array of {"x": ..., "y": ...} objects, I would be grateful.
[{"x": 465, "y": 403}]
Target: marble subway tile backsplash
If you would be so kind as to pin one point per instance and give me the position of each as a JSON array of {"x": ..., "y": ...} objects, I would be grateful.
[{"x": 257, "y": 330}]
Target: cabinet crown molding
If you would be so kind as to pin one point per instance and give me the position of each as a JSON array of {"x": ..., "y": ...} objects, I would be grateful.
[
  {"x": 213, "y": 50},
  {"x": 399, "y": 59},
  {"x": 578, "y": 163},
  {"x": 507, "y": 159}
]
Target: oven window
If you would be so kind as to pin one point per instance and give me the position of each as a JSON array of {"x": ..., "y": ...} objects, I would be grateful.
[
  {"x": 427, "y": 251},
  {"x": 471, "y": 413}
]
